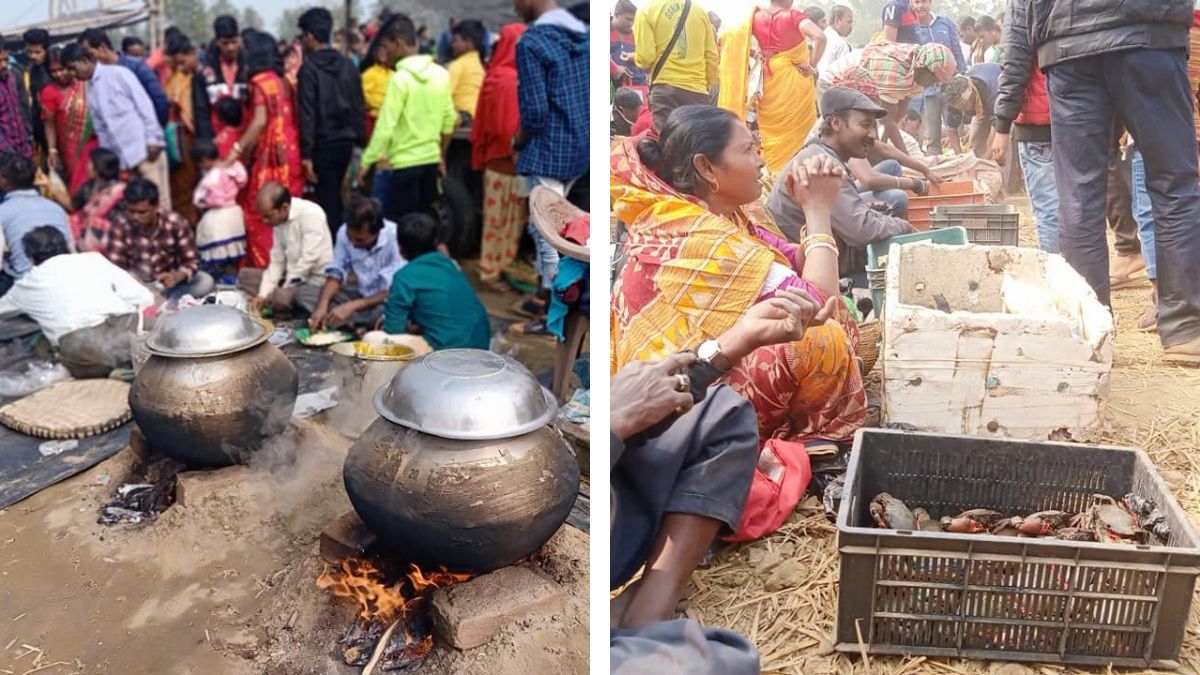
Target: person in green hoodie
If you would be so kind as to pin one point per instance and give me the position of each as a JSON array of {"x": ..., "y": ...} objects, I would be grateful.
[
  {"x": 430, "y": 294},
  {"x": 415, "y": 122}
]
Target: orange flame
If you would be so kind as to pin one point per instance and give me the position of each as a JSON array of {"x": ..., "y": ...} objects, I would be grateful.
[{"x": 363, "y": 582}]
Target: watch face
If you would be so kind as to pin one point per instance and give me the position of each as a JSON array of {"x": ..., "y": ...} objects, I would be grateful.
[{"x": 707, "y": 350}]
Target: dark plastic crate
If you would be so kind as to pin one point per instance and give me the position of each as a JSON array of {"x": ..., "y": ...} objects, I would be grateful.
[
  {"x": 986, "y": 224},
  {"x": 877, "y": 271},
  {"x": 1006, "y": 598}
]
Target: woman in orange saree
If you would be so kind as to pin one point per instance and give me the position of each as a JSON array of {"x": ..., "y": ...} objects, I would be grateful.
[
  {"x": 271, "y": 141},
  {"x": 698, "y": 257},
  {"x": 767, "y": 75}
]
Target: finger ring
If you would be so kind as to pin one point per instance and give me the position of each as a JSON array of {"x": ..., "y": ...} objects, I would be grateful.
[{"x": 682, "y": 382}]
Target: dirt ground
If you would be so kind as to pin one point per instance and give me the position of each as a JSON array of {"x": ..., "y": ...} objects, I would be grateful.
[
  {"x": 787, "y": 608},
  {"x": 226, "y": 586}
]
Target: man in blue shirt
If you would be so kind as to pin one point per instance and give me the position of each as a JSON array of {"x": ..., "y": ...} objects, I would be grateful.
[
  {"x": 366, "y": 245},
  {"x": 940, "y": 30},
  {"x": 900, "y": 22},
  {"x": 430, "y": 295},
  {"x": 97, "y": 45},
  {"x": 23, "y": 210},
  {"x": 552, "y": 144}
]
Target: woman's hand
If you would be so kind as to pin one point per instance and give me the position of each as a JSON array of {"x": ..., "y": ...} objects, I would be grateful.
[
  {"x": 814, "y": 184},
  {"x": 643, "y": 394},
  {"x": 777, "y": 320}
]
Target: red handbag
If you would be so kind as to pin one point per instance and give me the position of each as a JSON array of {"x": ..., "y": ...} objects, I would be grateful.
[{"x": 780, "y": 479}]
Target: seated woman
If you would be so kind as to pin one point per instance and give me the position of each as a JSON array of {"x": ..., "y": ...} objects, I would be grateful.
[
  {"x": 696, "y": 262},
  {"x": 890, "y": 73},
  {"x": 94, "y": 204}
]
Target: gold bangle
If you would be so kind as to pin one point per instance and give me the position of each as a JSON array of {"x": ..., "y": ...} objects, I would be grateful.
[
  {"x": 825, "y": 238},
  {"x": 820, "y": 244}
]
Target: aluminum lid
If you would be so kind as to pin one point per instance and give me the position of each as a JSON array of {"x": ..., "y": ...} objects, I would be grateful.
[
  {"x": 205, "y": 330},
  {"x": 466, "y": 394}
]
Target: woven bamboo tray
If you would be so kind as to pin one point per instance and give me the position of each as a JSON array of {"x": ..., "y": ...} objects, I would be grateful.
[{"x": 70, "y": 409}]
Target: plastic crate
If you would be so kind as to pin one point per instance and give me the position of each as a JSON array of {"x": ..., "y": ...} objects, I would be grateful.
[
  {"x": 1007, "y": 598},
  {"x": 988, "y": 224},
  {"x": 957, "y": 193},
  {"x": 877, "y": 272}
]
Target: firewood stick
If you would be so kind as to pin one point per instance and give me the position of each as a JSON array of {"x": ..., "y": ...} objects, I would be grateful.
[{"x": 381, "y": 647}]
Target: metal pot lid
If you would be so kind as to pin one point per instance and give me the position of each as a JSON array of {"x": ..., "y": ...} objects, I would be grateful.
[
  {"x": 466, "y": 394},
  {"x": 205, "y": 330}
]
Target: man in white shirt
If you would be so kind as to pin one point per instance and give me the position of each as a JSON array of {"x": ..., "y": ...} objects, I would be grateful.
[
  {"x": 299, "y": 256},
  {"x": 85, "y": 305},
  {"x": 837, "y": 47}
]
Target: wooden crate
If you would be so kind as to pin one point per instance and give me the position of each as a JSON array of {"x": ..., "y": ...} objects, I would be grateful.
[{"x": 993, "y": 340}]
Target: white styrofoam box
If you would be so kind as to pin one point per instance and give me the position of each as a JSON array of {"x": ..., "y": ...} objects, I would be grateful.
[{"x": 993, "y": 340}]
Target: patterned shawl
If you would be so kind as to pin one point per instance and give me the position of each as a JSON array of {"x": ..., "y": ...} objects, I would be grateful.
[{"x": 887, "y": 71}]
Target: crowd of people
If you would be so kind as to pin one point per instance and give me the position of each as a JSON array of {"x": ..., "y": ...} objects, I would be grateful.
[
  {"x": 307, "y": 176},
  {"x": 1097, "y": 103}
]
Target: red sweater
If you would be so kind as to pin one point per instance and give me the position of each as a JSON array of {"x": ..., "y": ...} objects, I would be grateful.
[{"x": 1035, "y": 111}]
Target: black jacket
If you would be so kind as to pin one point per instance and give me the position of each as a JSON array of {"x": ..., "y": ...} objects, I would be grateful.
[
  {"x": 331, "y": 102},
  {"x": 1070, "y": 29},
  {"x": 1015, "y": 66}
]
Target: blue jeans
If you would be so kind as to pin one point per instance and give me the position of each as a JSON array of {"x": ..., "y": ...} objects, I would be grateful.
[
  {"x": 896, "y": 197},
  {"x": 381, "y": 189},
  {"x": 1037, "y": 163},
  {"x": 1143, "y": 213},
  {"x": 1149, "y": 90}
]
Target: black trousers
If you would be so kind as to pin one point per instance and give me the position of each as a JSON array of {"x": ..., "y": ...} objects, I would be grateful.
[
  {"x": 414, "y": 190},
  {"x": 1148, "y": 90},
  {"x": 330, "y": 161}
]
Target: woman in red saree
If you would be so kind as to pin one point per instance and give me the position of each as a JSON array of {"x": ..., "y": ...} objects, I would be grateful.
[
  {"x": 69, "y": 134},
  {"x": 271, "y": 142},
  {"x": 497, "y": 120},
  {"x": 698, "y": 256}
]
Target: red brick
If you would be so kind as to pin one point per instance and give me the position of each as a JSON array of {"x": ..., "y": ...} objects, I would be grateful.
[
  {"x": 193, "y": 487},
  {"x": 468, "y": 614},
  {"x": 345, "y": 537}
]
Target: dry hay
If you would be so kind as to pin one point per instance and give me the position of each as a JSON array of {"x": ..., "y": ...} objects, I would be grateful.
[{"x": 781, "y": 591}]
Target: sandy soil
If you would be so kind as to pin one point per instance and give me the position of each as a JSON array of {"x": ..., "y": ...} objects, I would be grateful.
[{"x": 227, "y": 586}]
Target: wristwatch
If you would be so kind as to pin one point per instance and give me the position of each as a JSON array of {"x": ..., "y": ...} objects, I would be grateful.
[{"x": 709, "y": 352}]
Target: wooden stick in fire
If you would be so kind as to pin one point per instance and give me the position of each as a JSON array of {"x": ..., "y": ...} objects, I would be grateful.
[{"x": 381, "y": 646}]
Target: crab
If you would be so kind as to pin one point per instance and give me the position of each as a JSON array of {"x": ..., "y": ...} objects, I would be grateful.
[
  {"x": 926, "y": 522},
  {"x": 1075, "y": 534},
  {"x": 972, "y": 522},
  {"x": 1109, "y": 522},
  {"x": 1036, "y": 524},
  {"x": 891, "y": 513}
]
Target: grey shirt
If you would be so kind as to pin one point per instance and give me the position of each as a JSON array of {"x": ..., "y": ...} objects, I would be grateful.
[{"x": 854, "y": 221}]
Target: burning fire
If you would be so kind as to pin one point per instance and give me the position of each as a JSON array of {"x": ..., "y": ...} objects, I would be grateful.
[{"x": 363, "y": 582}]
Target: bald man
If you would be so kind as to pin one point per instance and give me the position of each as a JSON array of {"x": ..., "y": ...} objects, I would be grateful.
[{"x": 299, "y": 256}]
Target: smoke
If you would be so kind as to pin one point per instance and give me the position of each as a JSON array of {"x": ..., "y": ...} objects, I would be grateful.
[{"x": 303, "y": 469}]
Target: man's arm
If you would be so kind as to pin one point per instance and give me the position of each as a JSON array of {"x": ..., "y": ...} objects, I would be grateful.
[
  {"x": 117, "y": 250},
  {"x": 154, "y": 90},
  {"x": 645, "y": 50},
  {"x": 185, "y": 241},
  {"x": 712, "y": 61},
  {"x": 857, "y": 224},
  {"x": 885, "y": 151},
  {"x": 314, "y": 245},
  {"x": 127, "y": 288},
  {"x": 275, "y": 268},
  {"x": 1015, "y": 68},
  {"x": 397, "y": 307},
  {"x": 309, "y": 101},
  {"x": 532, "y": 97},
  {"x": 389, "y": 113},
  {"x": 145, "y": 110}
]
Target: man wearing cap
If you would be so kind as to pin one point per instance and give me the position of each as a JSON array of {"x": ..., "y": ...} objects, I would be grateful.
[{"x": 873, "y": 202}]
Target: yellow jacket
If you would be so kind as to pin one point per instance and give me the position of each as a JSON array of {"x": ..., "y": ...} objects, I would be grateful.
[
  {"x": 693, "y": 63},
  {"x": 466, "y": 79},
  {"x": 374, "y": 86}
]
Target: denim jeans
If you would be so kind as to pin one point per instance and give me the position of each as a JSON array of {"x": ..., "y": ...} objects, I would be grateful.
[
  {"x": 896, "y": 197},
  {"x": 381, "y": 189},
  {"x": 1144, "y": 214},
  {"x": 1037, "y": 163},
  {"x": 1149, "y": 90}
]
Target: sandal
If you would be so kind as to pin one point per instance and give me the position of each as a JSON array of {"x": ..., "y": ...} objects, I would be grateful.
[
  {"x": 533, "y": 327},
  {"x": 1122, "y": 275},
  {"x": 531, "y": 307},
  {"x": 1149, "y": 321}
]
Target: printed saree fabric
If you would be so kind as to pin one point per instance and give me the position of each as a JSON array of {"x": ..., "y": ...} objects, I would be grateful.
[{"x": 691, "y": 274}]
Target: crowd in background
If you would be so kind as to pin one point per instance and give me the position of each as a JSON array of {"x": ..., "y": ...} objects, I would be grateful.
[{"x": 308, "y": 173}]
